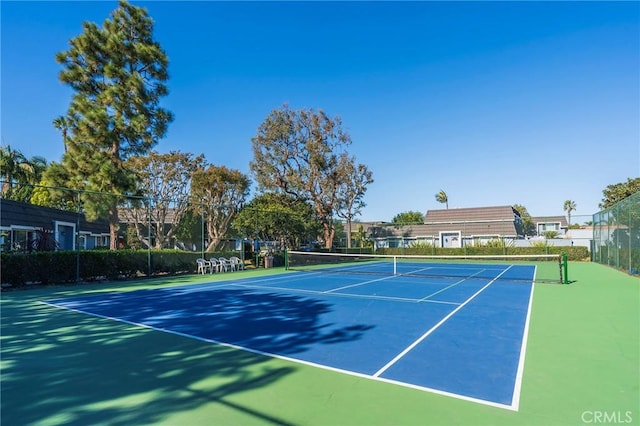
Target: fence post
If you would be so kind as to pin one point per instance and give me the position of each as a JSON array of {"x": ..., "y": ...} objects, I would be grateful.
[
  {"x": 149, "y": 238},
  {"x": 286, "y": 259},
  {"x": 202, "y": 233},
  {"x": 78, "y": 240}
]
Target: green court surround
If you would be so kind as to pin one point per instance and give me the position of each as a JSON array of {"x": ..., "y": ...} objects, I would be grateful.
[{"x": 61, "y": 367}]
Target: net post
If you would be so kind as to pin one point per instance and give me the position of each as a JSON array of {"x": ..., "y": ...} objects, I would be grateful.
[
  {"x": 286, "y": 259},
  {"x": 395, "y": 265},
  {"x": 565, "y": 268}
]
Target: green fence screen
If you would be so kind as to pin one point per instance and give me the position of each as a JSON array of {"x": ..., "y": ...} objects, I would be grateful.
[{"x": 616, "y": 235}]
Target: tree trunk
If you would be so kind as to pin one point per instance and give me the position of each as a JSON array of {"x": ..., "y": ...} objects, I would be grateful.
[
  {"x": 214, "y": 238},
  {"x": 212, "y": 246},
  {"x": 114, "y": 226},
  {"x": 329, "y": 232}
]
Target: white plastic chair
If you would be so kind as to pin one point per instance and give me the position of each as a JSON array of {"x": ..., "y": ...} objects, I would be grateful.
[
  {"x": 215, "y": 265},
  {"x": 203, "y": 265},
  {"x": 236, "y": 263},
  {"x": 224, "y": 263}
]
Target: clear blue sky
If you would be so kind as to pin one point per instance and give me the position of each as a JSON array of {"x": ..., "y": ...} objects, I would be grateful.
[{"x": 495, "y": 103}]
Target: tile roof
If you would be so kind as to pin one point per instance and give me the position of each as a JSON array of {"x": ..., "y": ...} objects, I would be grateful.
[
  {"x": 476, "y": 221},
  {"x": 473, "y": 214}
]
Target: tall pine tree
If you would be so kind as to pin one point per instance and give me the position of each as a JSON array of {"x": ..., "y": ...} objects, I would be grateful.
[{"x": 118, "y": 74}]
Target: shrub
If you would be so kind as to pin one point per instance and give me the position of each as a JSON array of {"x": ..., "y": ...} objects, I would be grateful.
[
  {"x": 421, "y": 245},
  {"x": 20, "y": 269}
]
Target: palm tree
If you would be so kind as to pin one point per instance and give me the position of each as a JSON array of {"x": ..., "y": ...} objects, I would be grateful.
[
  {"x": 361, "y": 236},
  {"x": 19, "y": 174},
  {"x": 442, "y": 197},
  {"x": 569, "y": 206},
  {"x": 11, "y": 169}
]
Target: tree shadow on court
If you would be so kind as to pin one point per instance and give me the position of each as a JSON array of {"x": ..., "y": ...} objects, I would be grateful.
[
  {"x": 61, "y": 367},
  {"x": 265, "y": 321}
]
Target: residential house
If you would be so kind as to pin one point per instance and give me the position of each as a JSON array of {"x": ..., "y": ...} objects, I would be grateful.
[
  {"x": 546, "y": 224},
  {"x": 452, "y": 228},
  {"x": 20, "y": 221}
]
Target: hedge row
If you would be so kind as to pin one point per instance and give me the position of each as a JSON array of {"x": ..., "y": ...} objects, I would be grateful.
[{"x": 19, "y": 269}]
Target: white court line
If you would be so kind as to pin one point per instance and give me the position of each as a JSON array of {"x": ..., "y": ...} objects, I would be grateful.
[
  {"x": 516, "y": 395},
  {"x": 349, "y": 295},
  {"x": 424, "y": 299},
  {"x": 449, "y": 286},
  {"x": 435, "y": 327},
  {"x": 359, "y": 284},
  {"x": 515, "y": 401},
  {"x": 286, "y": 358},
  {"x": 394, "y": 276},
  {"x": 287, "y": 277},
  {"x": 256, "y": 284},
  {"x": 222, "y": 283},
  {"x": 398, "y": 299}
]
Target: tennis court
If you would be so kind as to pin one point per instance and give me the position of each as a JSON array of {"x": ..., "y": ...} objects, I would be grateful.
[
  {"x": 62, "y": 367},
  {"x": 460, "y": 333}
]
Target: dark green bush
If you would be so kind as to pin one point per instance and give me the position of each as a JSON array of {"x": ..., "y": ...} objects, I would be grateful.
[
  {"x": 173, "y": 261},
  {"x": 354, "y": 250},
  {"x": 18, "y": 269},
  {"x": 52, "y": 267}
]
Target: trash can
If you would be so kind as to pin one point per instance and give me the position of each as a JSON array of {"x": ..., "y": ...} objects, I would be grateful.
[{"x": 268, "y": 262}]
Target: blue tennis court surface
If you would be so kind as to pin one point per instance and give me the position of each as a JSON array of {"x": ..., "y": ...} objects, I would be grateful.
[{"x": 462, "y": 337}]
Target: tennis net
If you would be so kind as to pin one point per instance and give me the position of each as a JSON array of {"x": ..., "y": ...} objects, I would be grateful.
[{"x": 539, "y": 268}]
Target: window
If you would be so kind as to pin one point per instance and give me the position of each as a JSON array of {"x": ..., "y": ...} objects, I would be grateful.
[
  {"x": 18, "y": 239},
  {"x": 102, "y": 241},
  {"x": 82, "y": 241}
]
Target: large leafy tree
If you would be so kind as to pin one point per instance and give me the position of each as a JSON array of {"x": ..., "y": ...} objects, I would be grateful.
[
  {"x": 408, "y": 218},
  {"x": 19, "y": 174},
  {"x": 303, "y": 153},
  {"x": 218, "y": 194},
  {"x": 619, "y": 191},
  {"x": 568, "y": 207},
  {"x": 278, "y": 217},
  {"x": 47, "y": 194},
  {"x": 118, "y": 74},
  {"x": 164, "y": 180},
  {"x": 350, "y": 193}
]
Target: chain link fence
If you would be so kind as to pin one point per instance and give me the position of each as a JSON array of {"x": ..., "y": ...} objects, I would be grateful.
[
  {"x": 79, "y": 221},
  {"x": 38, "y": 218},
  {"x": 616, "y": 234},
  {"x": 85, "y": 220}
]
